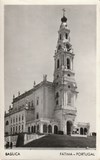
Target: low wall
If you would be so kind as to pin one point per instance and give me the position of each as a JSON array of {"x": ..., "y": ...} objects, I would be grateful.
[
  {"x": 78, "y": 135},
  {"x": 27, "y": 138},
  {"x": 30, "y": 137}
]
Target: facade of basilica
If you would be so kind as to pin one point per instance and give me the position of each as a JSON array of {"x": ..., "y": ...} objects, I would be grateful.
[{"x": 50, "y": 107}]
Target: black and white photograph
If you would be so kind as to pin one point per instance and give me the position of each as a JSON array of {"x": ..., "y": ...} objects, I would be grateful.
[{"x": 50, "y": 78}]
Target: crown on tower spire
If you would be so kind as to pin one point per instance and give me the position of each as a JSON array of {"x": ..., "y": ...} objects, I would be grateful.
[{"x": 63, "y": 19}]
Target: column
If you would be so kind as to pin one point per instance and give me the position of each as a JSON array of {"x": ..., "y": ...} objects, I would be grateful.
[
  {"x": 65, "y": 129},
  {"x": 52, "y": 128},
  {"x": 41, "y": 128}
]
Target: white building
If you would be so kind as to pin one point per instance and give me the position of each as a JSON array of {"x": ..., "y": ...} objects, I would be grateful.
[{"x": 49, "y": 107}]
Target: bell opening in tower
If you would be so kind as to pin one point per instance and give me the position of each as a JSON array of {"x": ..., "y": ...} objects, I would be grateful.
[{"x": 68, "y": 63}]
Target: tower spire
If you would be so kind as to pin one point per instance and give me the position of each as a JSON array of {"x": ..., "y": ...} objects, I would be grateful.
[{"x": 63, "y": 19}]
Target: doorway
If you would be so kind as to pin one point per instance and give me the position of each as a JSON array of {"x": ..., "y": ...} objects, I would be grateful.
[
  {"x": 69, "y": 127},
  {"x": 55, "y": 129}
]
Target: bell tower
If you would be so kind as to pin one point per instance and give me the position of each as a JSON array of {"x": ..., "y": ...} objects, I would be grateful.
[{"x": 64, "y": 79}]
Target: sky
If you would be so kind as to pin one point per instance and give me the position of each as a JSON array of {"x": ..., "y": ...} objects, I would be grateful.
[{"x": 30, "y": 40}]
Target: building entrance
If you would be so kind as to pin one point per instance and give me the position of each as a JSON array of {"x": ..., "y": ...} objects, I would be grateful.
[
  {"x": 55, "y": 129},
  {"x": 69, "y": 127}
]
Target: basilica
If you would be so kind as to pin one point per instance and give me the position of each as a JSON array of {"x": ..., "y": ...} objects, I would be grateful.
[{"x": 50, "y": 107}]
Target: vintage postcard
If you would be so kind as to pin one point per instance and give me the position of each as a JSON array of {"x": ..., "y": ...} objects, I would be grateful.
[{"x": 49, "y": 80}]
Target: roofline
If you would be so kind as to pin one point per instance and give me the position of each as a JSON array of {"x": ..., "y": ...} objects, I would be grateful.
[{"x": 31, "y": 90}]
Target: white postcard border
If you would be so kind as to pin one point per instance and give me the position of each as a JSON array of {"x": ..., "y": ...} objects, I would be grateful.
[{"x": 39, "y": 153}]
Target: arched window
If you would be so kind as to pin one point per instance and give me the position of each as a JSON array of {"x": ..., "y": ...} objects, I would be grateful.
[
  {"x": 16, "y": 128},
  {"x": 55, "y": 129},
  {"x": 69, "y": 127},
  {"x": 28, "y": 129},
  {"x": 81, "y": 131},
  {"x": 57, "y": 102},
  {"x": 32, "y": 129},
  {"x": 16, "y": 119},
  {"x": 68, "y": 63},
  {"x": 60, "y": 36},
  {"x": 11, "y": 130},
  {"x": 22, "y": 127},
  {"x": 11, "y": 120},
  {"x": 19, "y": 128},
  {"x": 49, "y": 129},
  {"x": 7, "y": 123},
  {"x": 58, "y": 63},
  {"x": 57, "y": 95},
  {"x": 57, "y": 98},
  {"x": 19, "y": 117},
  {"x": 22, "y": 117},
  {"x": 66, "y": 35},
  {"x": 38, "y": 128},
  {"x": 85, "y": 131},
  {"x": 45, "y": 128}
]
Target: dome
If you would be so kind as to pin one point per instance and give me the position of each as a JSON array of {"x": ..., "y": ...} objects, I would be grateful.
[{"x": 64, "y": 19}]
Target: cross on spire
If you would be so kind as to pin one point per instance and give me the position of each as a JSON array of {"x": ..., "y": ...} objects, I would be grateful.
[{"x": 63, "y": 11}]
